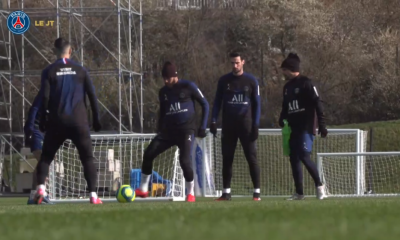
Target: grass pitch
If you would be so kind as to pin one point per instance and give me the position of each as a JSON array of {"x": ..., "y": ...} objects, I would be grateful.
[{"x": 239, "y": 219}]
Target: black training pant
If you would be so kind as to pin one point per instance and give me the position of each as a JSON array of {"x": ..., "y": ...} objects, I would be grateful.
[
  {"x": 300, "y": 152},
  {"x": 160, "y": 143},
  {"x": 80, "y": 137},
  {"x": 229, "y": 142}
]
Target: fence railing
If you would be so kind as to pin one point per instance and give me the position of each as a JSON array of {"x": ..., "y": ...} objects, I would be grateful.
[{"x": 200, "y": 4}]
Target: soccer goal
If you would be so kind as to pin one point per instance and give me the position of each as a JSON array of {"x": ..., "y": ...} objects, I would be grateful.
[
  {"x": 276, "y": 175},
  {"x": 368, "y": 174},
  {"x": 118, "y": 160}
]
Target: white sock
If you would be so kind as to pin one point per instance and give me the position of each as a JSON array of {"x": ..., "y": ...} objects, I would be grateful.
[
  {"x": 33, "y": 193},
  {"x": 190, "y": 187},
  {"x": 93, "y": 195},
  {"x": 144, "y": 185},
  {"x": 256, "y": 190},
  {"x": 226, "y": 190}
]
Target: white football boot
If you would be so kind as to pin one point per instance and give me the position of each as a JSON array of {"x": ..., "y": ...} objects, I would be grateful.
[{"x": 321, "y": 192}]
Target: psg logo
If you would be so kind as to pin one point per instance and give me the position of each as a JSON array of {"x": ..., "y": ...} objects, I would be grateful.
[{"x": 18, "y": 22}]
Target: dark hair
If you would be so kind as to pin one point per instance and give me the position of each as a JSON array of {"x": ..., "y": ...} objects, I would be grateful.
[
  {"x": 61, "y": 44},
  {"x": 235, "y": 54}
]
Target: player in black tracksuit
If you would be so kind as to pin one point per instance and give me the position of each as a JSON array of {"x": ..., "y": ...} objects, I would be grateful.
[
  {"x": 238, "y": 93},
  {"x": 176, "y": 127},
  {"x": 302, "y": 108},
  {"x": 65, "y": 85}
]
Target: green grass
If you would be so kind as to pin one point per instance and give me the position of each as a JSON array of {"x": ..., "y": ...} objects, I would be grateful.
[{"x": 240, "y": 219}]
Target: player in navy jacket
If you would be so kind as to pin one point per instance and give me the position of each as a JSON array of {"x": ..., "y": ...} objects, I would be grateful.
[
  {"x": 63, "y": 116},
  {"x": 239, "y": 94},
  {"x": 34, "y": 139},
  {"x": 176, "y": 127},
  {"x": 302, "y": 108}
]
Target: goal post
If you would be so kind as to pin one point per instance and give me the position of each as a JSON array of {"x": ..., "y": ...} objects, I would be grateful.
[
  {"x": 276, "y": 175},
  {"x": 118, "y": 160},
  {"x": 367, "y": 174}
]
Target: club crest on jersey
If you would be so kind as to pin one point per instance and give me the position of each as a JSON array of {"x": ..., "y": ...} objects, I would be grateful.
[
  {"x": 246, "y": 88},
  {"x": 165, "y": 97},
  {"x": 181, "y": 95},
  {"x": 18, "y": 22},
  {"x": 228, "y": 87},
  {"x": 296, "y": 91}
]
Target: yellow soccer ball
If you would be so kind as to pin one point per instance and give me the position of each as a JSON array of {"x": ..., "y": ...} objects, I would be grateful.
[{"x": 125, "y": 194}]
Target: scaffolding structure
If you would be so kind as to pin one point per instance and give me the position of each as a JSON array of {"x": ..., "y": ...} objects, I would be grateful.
[
  {"x": 106, "y": 36},
  {"x": 79, "y": 21}
]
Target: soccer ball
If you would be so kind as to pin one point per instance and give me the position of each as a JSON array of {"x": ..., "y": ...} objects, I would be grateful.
[{"x": 125, "y": 194}]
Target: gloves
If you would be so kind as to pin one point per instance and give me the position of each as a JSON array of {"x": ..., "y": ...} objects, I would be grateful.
[
  {"x": 201, "y": 133},
  {"x": 43, "y": 123},
  {"x": 213, "y": 129},
  {"x": 28, "y": 139},
  {"x": 323, "y": 131},
  {"x": 253, "y": 134},
  {"x": 96, "y": 125}
]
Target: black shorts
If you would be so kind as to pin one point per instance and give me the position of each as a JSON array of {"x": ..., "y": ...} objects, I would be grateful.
[{"x": 56, "y": 136}]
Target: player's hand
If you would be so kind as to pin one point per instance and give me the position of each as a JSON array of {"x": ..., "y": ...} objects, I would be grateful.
[
  {"x": 28, "y": 139},
  {"x": 201, "y": 133},
  {"x": 323, "y": 131},
  {"x": 96, "y": 126},
  {"x": 213, "y": 128},
  {"x": 254, "y": 134}
]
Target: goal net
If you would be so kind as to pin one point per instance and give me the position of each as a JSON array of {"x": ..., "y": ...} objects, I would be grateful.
[
  {"x": 276, "y": 175},
  {"x": 360, "y": 174},
  {"x": 118, "y": 161}
]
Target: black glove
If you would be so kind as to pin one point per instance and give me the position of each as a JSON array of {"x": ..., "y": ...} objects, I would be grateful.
[
  {"x": 213, "y": 128},
  {"x": 96, "y": 125},
  {"x": 28, "y": 139},
  {"x": 43, "y": 123},
  {"x": 201, "y": 133},
  {"x": 253, "y": 134},
  {"x": 323, "y": 131}
]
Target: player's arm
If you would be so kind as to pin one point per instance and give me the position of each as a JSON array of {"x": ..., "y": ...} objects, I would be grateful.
[
  {"x": 89, "y": 89},
  {"x": 45, "y": 89},
  {"x": 256, "y": 103},
  {"x": 284, "y": 110},
  {"x": 33, "y": 112},
  {"x": 217, "y": 102},
  {"x": 199, "y": 97},
  {"x": 316, "y": 103},
  {"x": 161, "y": 112}
]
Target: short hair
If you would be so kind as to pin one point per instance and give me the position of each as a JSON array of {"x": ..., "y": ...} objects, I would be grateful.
[
  {"x": 236, "y": 54},
  {"x": 61, "y": 44}
]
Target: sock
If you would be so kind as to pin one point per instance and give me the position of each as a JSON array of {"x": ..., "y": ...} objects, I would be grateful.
[
  {"x": 256, "y": 190},
  {"x": 93, "y": 194},
  {"x": 144, "y": 185},
  {"x": 33, "y": 193},
  {"x": 190, "y": 187},
  {"x": 227, "y": 190}
]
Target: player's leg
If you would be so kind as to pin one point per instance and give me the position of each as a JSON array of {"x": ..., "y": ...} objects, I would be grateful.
[
  {"x": 305, "y": 157},
  {"x": 229, "y": 140},
  {"x": 296, "y": 145},
  {"x": 52, "y": 141},
  {"x": 250, "y": 152},
  {"x": 157, "y": 146},
  {"x": 185, "y": 144},
  {"x": 36, "y": 144},
  {"x": 80, "y": 136}
]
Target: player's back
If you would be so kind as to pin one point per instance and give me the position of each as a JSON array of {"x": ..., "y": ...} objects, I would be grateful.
[{"x": 67, "y": 105}]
